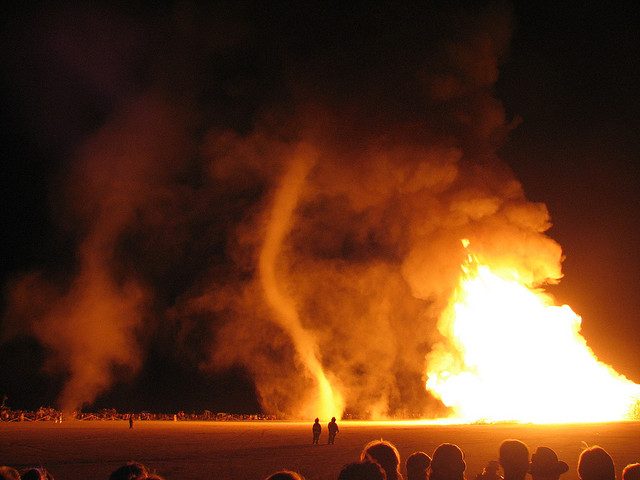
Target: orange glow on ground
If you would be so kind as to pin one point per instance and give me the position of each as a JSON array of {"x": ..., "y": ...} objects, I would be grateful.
[{"x": 510, "y": 354}]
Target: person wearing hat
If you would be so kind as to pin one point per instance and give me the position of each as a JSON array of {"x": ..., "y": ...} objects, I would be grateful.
[{"x": 546, "y": 466}]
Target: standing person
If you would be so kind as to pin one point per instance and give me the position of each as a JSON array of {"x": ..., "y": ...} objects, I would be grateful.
[
  {"x": 131, "y": 420},
  {"x": 317, "y": 429},
  {"x": 333, "y": 430}
]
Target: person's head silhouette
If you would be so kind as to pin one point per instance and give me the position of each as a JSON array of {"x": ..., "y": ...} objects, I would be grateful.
[
  {"x": 384, "y": 454},
  {"x": 36, "y": 473},
  {"x": 285, "y": 475},
  {"x": 514, "y": 458},
  {"x": 8, "y": 473},
  {"x": 417, "y": 465},
  {"x": 128, "y": 471},
  {"x": 545, "y": 465},
  {"x": 631, "y": 472},
  {"x": 595, "y": 463},
  {"x": 447, "y": 463}
]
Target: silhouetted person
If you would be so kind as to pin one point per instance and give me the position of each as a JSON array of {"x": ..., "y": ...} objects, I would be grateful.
[
  {"x": 490, "y": 472},
  {"x": 333, "y": 430},
  {"x": 366, "y": 470},
  {"x": 131, "y": 420},
  {"x": 631, "y": 472},
  {"x": 285, "y": 475},
  {"x": 317, "y": 429},
  {"x": 545, "y": 465},
  {"x": 417, "y": 465},
  {"x": 37, "y": 473},
  {"x": 8, "y": 473},
  {"x": 514, "y": 458},
  {"x": 447, "y": 463},
  {"x": 129, "y": 471},
  {"x": 384, "y": 454},
  {"x": 596, "y": 464}
]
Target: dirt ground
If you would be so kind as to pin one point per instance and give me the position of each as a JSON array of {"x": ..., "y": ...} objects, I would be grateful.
[{"x": 218, "y": 450}]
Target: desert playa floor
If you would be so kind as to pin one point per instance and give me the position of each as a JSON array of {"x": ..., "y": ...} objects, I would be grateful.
[{"x": 220, "y": 450}]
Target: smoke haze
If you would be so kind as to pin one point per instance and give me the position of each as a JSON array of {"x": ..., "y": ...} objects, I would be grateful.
[{"x": 281, "y": 196}]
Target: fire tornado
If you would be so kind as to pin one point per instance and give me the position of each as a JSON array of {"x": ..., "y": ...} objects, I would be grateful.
[{"x": 324, "y": 401}]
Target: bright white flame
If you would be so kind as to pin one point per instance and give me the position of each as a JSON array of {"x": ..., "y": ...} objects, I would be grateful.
[{"x": 511, "y": 355}]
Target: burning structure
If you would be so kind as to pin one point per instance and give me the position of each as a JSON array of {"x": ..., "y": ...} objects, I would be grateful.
[{"x": 302, "y": 218}]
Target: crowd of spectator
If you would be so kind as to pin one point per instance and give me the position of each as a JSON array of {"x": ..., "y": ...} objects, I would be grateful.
[
  {"x": 44, "y": 414},
  {"x": 380, "y": 460}
]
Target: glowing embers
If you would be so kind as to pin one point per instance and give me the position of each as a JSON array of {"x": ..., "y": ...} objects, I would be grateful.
[{"x": 510, "y": 355}]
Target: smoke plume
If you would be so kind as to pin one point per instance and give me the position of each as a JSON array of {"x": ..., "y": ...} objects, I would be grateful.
[{"x": 298, "y": 192}]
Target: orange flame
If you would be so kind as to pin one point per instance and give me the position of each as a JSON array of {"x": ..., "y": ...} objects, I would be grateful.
[{"x": 510, "y": 354}]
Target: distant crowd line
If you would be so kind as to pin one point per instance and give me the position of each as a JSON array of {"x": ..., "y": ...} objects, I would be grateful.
[
  {"x": 48, "y": 414},
  {"x": 380, "y": 460}
]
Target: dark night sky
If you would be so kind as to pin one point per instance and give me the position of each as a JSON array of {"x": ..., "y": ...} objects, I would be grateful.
[
  {"x": 572, "y": 77},
  {"x": 571, "y": 73}
]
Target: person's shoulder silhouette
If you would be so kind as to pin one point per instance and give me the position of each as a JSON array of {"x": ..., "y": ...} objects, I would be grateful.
[{"x": 365, "y": 470}]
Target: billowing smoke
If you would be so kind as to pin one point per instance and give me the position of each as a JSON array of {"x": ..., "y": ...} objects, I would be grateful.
[
  {"x": 296, "y": 190},
  {"x": 92, "y": 323}
]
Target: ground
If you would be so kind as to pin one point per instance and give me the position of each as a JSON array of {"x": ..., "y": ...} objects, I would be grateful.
[{"x": 220, "y": 450}]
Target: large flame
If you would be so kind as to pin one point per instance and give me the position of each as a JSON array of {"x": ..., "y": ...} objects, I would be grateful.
[{"x": 510, "y": 354}]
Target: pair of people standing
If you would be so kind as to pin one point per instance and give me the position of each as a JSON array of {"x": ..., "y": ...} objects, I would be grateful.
[{"x": 332, "y": 427}]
